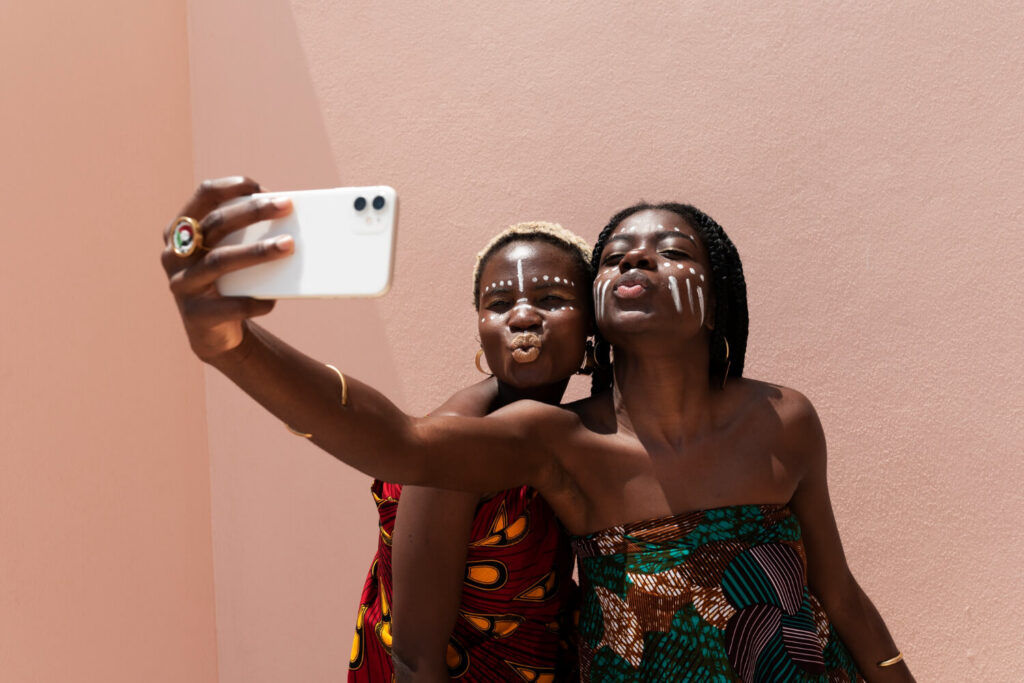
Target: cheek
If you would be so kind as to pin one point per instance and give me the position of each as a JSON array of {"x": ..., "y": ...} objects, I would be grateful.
[{"x": 489, "y": 328}]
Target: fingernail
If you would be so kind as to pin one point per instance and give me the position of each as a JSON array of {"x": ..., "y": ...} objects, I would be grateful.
[
  {"x": 280, "y": 202},
  {"x": 284, "y": 243}
]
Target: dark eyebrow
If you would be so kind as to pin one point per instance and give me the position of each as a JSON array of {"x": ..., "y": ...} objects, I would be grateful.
[
  {"x": 660, "y": 235},
  {"x": 549, "y": 285},
  {"x": 673, "y": 233}
]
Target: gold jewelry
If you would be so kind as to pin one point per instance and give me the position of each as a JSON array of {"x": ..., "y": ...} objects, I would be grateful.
[
  {"x": 893, "y": 660},
  {"x": 186, "y": 237},
  {"x": 344, "y": 401},
  {"x": 725, "y": 375},
  {"x": 482, "y": 371},
  {"x": 296, "y": 432},
  {"x": 344, "y": 384}
]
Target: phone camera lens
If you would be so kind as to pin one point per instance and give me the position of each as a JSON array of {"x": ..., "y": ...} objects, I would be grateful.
[
  {"x": 378, "y": 202},
  {"x": 360, "y": 203}
]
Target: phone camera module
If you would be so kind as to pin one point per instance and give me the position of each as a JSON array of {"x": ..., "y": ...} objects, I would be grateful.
[
  {"x": 360, "y": 203},
  {"x": 378, "y": 202}
]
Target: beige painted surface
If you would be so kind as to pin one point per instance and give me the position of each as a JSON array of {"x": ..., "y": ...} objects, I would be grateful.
[
  {"x": 106, "y": 569},
  {"x": 866, "y": 159}
]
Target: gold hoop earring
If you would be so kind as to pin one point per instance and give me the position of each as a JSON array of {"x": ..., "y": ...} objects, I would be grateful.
[
  {"x": 728, "y": 363},
  {"x": 479, "y": 353}
]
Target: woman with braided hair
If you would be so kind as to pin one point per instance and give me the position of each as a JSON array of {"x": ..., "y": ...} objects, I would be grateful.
[{"x": 698, "y": 497}]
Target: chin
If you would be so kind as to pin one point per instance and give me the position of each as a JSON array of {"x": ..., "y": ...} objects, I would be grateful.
[
  {"x": 529, "y": 375},
  {"x": 625, "y": 324}
]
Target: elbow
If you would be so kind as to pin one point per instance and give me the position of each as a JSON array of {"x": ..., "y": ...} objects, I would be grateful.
[
  {"x": 843, "y": 600},
  {"x": 414, "y": 455},
  {"x": 415, "y": 665}
]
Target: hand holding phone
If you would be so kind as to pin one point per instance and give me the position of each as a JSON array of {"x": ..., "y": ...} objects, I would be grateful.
[{"x": 344, "y": 246}]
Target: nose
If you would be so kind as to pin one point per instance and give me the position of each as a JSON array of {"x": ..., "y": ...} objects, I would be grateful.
[
  {"x": 524, "y": 318},
  {"x": 637, "y": 258}
]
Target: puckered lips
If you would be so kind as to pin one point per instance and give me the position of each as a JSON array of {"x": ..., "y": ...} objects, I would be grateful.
[
  {"x": 631, "y": 285},
  {"x": 525, "y": 347}
]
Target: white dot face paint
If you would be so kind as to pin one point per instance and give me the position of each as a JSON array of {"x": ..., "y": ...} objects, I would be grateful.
[
  {"x": 557, "y": 279},
  {"x": 545, "y": 278},
  {"x": 534, "y": 279},
  {"x": 692, "y": 271},
  {"x": 702, "y": 277}
]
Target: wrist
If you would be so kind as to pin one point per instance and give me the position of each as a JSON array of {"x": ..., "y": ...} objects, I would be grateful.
[{"x": 236, "y": 355}]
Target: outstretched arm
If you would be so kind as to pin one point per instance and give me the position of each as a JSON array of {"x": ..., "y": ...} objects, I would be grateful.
[
  {"x": 368, "y": 432},
  {"x": 849, "y": 609}
]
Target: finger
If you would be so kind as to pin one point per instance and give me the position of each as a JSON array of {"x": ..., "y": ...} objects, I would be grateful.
[
  {"x": 215, "y": 191},
  {"x": 212, "y": 310},
  {"x": 211, "y": 193},
  {"x": 204, "y": 272},
  {"x": 225, "y": 220}
]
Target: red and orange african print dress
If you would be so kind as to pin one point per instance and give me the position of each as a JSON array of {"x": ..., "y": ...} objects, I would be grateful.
[{"x": 515, "y": 600}]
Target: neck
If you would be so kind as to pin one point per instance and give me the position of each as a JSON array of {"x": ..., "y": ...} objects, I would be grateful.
[
  {"x": 545, "y": 393},
  {"x": 663, "y": 397}
]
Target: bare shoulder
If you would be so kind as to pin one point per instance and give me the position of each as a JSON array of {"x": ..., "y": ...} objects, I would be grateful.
[
  {"x": 537, "y": 418},
  {"x": 798, "y": 427},
  {"x": 472, "y": 401}
]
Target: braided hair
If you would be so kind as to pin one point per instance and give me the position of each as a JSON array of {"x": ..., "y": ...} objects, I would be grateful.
[{"x": 728, "y": 285}]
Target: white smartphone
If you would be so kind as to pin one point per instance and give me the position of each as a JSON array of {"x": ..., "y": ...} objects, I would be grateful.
[{"x": 344, "y": 246}]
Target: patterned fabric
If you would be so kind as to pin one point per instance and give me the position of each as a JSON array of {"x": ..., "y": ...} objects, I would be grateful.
[
  {"x": 714, "y": 595},
  {"x": 516, "y": 598}
]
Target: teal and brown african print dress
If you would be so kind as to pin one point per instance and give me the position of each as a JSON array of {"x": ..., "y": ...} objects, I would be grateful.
[{"x": 713, "y": 595}]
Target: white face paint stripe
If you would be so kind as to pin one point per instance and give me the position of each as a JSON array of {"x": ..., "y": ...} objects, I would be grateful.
[
  {"x": 689, "y": 294},
  {"x": 700, "y": 297},
  {"x": 519, "y": 271},
  {"x": 674, "y": 288}
]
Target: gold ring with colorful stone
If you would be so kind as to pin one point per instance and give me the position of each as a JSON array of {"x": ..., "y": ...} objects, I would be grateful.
[{"x": 186, "y": 238}]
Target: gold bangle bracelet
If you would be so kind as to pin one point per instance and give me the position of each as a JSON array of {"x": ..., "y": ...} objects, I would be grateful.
[
  {"x": 296, "y": 432},
  {"x": 344, "y": 384},
  {"x": 344, "y": 401},
  {"x": 894, "y": 660}
]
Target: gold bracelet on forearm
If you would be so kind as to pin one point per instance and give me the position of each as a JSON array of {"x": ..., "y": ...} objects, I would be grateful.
[
  {"x": 893, "y": 660},
  {"x": 344, "y": 401}
]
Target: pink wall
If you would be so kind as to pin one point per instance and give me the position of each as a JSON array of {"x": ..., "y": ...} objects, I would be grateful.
[
  {"x": 866, "y": 159},
  {"x": 106, "y": 568}
]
